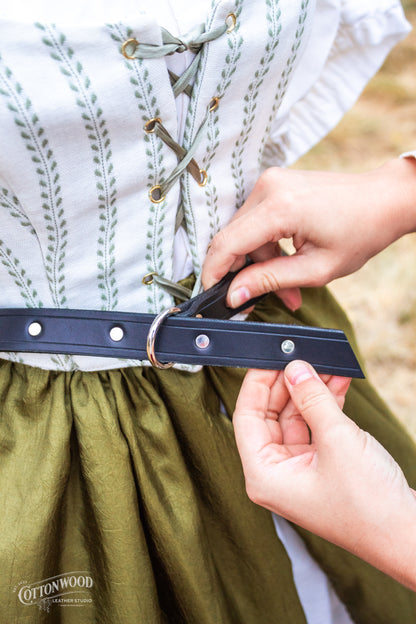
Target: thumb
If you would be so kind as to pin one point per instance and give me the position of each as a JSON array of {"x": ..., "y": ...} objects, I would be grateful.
[
  {"x": 283, "y": 272},
  {"x": 315, "y": 402}
]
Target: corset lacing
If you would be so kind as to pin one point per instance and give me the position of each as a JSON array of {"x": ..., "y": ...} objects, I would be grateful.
[{"x": 194, "y": 42}]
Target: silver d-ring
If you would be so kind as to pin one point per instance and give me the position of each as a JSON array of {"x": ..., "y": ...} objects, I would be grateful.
[{"x": 151, "y": 338}]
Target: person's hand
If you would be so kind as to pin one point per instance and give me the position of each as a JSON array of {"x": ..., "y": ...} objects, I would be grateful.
[
  {"x": 337, "y": 221},
  {"x": 341, "y": 485}
]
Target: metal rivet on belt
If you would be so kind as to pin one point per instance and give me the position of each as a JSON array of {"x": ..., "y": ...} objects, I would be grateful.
[
  {"x": 202, "y": 341},
  {"x": 116, "y": 334},
  {"x": 34, "y": 329},
  {"x": 287, "y": 346}
]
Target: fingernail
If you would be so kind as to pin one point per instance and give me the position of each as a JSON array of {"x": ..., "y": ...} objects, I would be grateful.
[
  {"x": 296, "y": 372},
  {"x": 291, "y": 299},
  {"x": 294, "y": 301},
  {"x": 239, "y": 296}
]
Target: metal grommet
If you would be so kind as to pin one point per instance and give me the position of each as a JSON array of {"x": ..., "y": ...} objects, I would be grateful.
[
  {"x": 148, "y": 279},
  {"x": 287, "y": 346},
  {"x": 231, "y": 21},
  {"x": 116, "y": 333},
  {"x": 129, "y": 43},
  {"x": 151, "y": 338},
  {"x": 155, "y": 194},
  {"x": 34, "y": 329},
  {"x": 202, "y": 341},
  {"x": 150, "y": 125},
  {"x": 204, "y": 177},
  {"x": 213, "y": 103}
]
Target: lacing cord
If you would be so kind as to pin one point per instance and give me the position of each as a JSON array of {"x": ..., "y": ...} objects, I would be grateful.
[
  {"x": 186, "y": 160},
  {"x": 158, "y": 192},
  {"x": 174, "y": 80},
  {"x": 173, "y": 288},
  {"x": 192, "y": 41}
]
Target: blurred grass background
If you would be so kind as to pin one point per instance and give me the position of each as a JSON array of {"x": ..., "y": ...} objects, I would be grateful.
[{"x": 381, "y": 298}]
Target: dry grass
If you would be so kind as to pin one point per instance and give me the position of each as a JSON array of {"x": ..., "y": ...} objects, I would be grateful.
[{"x": 381, "y": 297}]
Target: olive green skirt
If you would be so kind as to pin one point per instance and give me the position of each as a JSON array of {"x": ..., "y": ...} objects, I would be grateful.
[{"x": 122, "y": 500}]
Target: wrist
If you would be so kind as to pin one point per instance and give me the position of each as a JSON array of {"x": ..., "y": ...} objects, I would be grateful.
[
  {"x": 393, "y": 547},
  {"x": 405, "y": 553},
  {"x": 399, "y": 177}
]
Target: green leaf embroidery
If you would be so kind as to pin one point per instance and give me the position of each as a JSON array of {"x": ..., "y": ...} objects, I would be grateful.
[
  {"x": 100, "y": 143},
  {"x": 286, "y": 73},
  {"x": 45, "y": 167},
  {"x": 235, "y": 42},
  {"x": 148, "y": 107},
  {"x": 273, "y": 15}
]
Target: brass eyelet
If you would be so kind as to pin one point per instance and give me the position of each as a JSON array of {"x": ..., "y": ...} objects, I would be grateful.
[
  {"x": 213, "y": 103},
  {"x": 154, "y": 191},
  {"x": 204, "y": 177},
  {"x": 231, "y": 21},
  {"x": 126, "y": 44},
  {"x": 150, "y": 125},
  {"x": 148, "y": 279}
]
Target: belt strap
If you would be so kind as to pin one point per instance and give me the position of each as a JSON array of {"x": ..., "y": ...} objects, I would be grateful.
[{"x": 181, "y": 338}]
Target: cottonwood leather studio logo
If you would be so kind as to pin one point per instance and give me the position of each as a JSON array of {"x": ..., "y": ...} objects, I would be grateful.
[{"x": 66, "y": 590}]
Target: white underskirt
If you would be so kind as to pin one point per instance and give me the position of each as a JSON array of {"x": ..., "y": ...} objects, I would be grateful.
[{"x": 319, "y": 601}]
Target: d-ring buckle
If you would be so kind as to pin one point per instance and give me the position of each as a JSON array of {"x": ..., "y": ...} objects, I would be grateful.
[{"x": 151, "y": 338}]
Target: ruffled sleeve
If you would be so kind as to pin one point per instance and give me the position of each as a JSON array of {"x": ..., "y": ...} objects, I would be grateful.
[{"x": 348, "y": 43}]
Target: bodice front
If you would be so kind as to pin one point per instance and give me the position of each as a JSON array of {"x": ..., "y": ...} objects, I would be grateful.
[{"x": 92, "y": 198}]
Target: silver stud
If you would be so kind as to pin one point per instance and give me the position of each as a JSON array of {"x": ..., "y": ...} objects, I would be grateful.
[
  {"x": 287, "y": 346},
  {"x": 34, "y": 329},
  {"x": 116, "y": 334},
  {"x": 202, "y": 341}
]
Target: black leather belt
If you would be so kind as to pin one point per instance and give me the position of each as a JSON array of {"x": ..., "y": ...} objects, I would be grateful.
[{"x": 182, "y": 334}]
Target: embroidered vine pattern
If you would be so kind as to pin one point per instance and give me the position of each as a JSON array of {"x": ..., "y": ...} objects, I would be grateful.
[
  {"x": 148, "y": 107},
  {"x": 187, "y": 139},
  {"x": 20, "y": 278},
  {"x": 286, "y": 73},
  {"x": 234, "y": 42},
  {"x": 29, "y": 295},
  {"x": 34, "y": 136},
  {"x": 273, "y": 15},
  {"x": 22, "y": 281},
  {"x": 12, "y": 204},
  {"x": 100, "y": 143}
]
